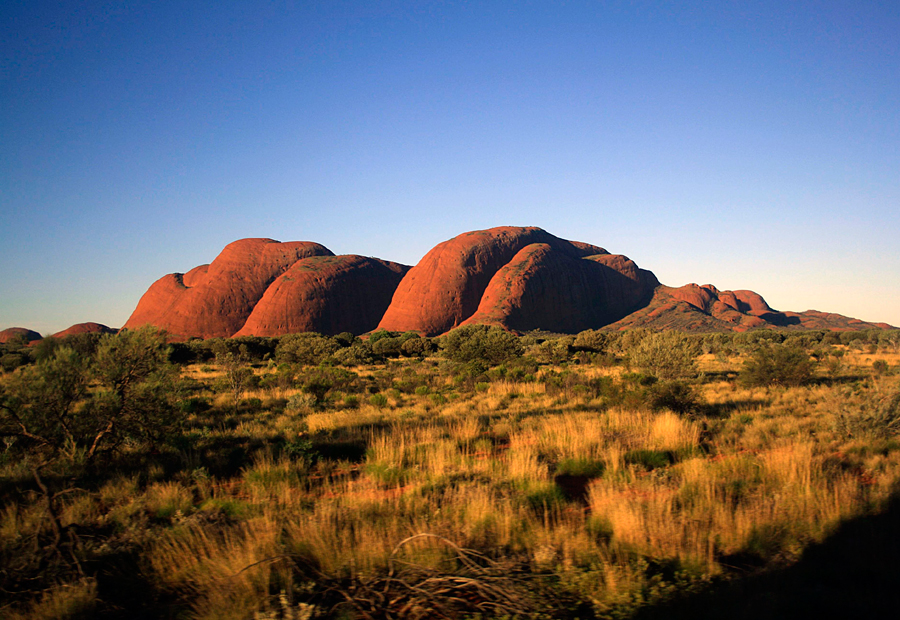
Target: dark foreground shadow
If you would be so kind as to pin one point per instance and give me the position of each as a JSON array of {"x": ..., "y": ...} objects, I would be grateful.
[{"x": 855, "y": 573}]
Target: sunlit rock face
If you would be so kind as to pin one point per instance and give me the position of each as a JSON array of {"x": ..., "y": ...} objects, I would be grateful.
[
  {"x": 519, "y": 278},
  {"x": 265, "y": 287}
]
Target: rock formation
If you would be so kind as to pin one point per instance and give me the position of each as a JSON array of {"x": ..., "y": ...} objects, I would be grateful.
[
  {"x": 216, "y": 299},
  {"x": 326, "y": 294},
  {"x": 264, "y": 287},
  {"x": 541, "y": 288},
  {"x": 21, "y": 333},
  {"x": 705, "y": 308},
  {"x": 518, "y": 278},
  {"x": 85, "y": 328},
  {"x": 515, "y": 277}
]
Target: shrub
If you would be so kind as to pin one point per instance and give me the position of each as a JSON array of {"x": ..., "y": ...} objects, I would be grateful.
[
  {"x": 488, "y": 344},
  {"x": 387, "y": 346},
  {"x": 49, "y": 407},
  {"x": 356, "y": 354},
  {"x": 676, "y": 396},
  {"x": 415, "y": 346},
  {"x": 876, "y": 416},
  {"x": 777, "y": 365},
  {"x": 309, "y": 348},
  {"x": 591, "y": 340},
  {"x": 667, "y": 355},
  {"x": 300, "y": 402}
]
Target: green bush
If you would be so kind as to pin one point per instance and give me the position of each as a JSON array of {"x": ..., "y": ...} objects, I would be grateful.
[
  {"x": 677, "y": 396},
  {"x": 480, "y": 343},
  {"x": 667, "y": 355},
  {"x": 309, "y": 348},
  {"x": 777, "y": 365},
  {"x": 51, "y": 409},
  {"x": 378, "y": 400}
]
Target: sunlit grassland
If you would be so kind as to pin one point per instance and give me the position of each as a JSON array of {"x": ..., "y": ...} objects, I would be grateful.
[{"x": 272, "y": 508}]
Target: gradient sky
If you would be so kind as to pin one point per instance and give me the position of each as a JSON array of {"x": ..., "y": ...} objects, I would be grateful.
[{"x": 751, "y": 145}]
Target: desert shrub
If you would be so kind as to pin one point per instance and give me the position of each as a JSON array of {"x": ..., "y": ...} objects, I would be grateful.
[
  {"x": 308, "y": 348},
  {"x": 356, "y": 354},
  {"x": 351, "y": 401},
  {"x": 488, "y": 344},
  {"x": 416, "y": 346},
  {"x": 777, "y": 365},
  {"x": 238, "y": 375},
  {"x": 582, "y": 466},
  {"x": 378, "y": 400},
  {"x": 300, "y": 402},
  {"x": 49, "y": 408},
  {"x": 752, "y": 340},
  {"x": 387, "y": 346},
  {"x": 553, "y": 351},
  {"x": 667, "y": 355},
  {"x": 676, "y": 396},
  {"x": 591, "y": 340},
  {"x": 11, "y": 361},
  {"x": 318, "y": 387},
  {"x": 650, "y": 459},
  {"x": 880, "y": 367},
  {"x": 872, "y": 416}
]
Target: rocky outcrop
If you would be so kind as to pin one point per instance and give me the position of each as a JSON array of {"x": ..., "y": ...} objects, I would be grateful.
[
  {"x": 215, "y": 300},
  {"x": 326, "y": 294},
  {"x": 448, "y": 285},
  {"x": 261, "y": 287},
  {"x": 19, "y": 333},
  {"x": 541, "y": 288},
  {"x": 85, "y": 328},
  {"x": 518, "y": 278},
  {"x": 705, "y": 308}
]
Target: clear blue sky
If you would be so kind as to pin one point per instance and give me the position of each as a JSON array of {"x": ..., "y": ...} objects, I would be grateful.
[{"x": 744, "y": 144}]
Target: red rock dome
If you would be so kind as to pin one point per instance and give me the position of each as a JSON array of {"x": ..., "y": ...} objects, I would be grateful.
[{"x": 507, "y": 276}]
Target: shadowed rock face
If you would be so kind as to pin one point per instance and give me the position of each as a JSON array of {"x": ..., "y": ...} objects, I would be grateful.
[
  {"x": 447, "y": 286},
  {"x": 215, "y": 300},
  {"x": 85, "y": 328},
  {"x": 12, "y": 333},
  {"x": 326, "y": 294}
]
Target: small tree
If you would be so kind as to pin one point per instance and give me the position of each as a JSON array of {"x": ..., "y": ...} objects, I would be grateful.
[
  {"x": 237, "y": 374},
  {"x": 48, "y": 415}
]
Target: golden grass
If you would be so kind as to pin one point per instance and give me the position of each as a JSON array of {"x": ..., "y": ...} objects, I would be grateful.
[{"x": 767, "y": 475}]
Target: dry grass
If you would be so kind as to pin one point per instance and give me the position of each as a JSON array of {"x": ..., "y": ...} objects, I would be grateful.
[{"x": 762, "y": 476}]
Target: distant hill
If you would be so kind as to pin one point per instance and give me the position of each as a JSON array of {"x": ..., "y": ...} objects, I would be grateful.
[
  {"x": 704, "y": 308},
  {"x": 19, "y": 333},
  {"x": 517, "y": 278},
  {"x": 85, "y": 328}
]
